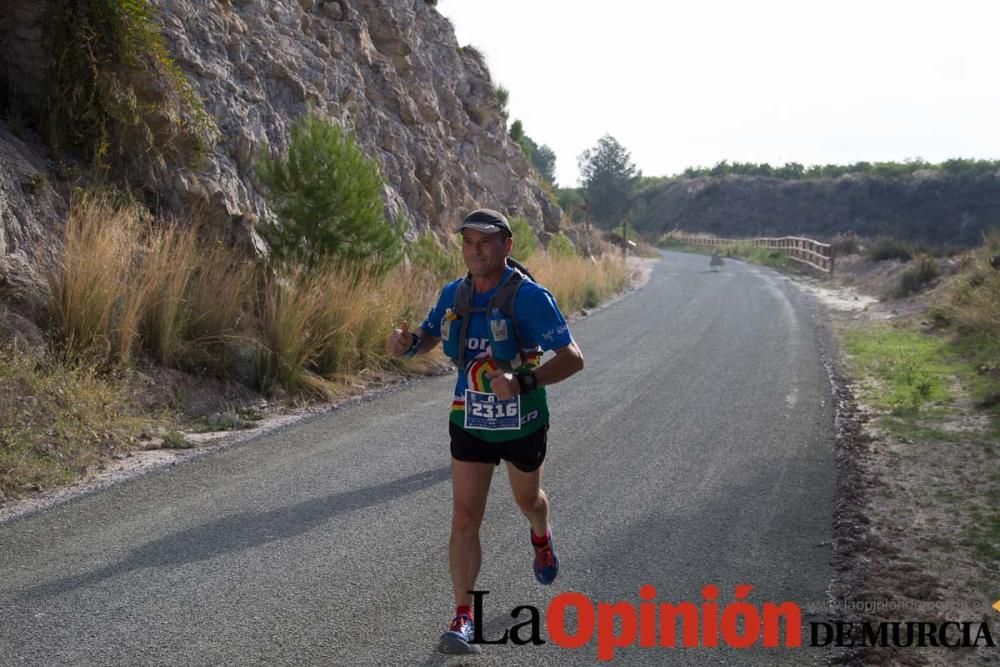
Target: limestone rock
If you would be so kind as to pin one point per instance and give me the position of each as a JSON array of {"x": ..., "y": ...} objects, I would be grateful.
[
  {"x": 31, "y": 215},
  {"x": 389, "y": 71},
  {"x": 21, "y": 333}
]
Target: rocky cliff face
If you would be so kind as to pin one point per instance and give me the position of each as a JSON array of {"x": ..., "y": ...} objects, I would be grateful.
[
  {"x": 391, "y": 71},
  {"x": 31, "y": 217}
]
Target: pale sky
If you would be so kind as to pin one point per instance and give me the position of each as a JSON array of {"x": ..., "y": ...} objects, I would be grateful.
[{"x": 694, "y": 82}]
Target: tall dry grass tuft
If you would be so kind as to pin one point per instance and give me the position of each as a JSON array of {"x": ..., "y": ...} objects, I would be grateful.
[
  {"x": 291, "y": 335},
  {"x": 220, "y": 302},
  {"x": 169, "y": 260},
  {"x": 577, "y": 282},
  {"x": 359, "y": 312},
  {"x": 93, "y": 303},
  {"x": 123, "y": 283}
]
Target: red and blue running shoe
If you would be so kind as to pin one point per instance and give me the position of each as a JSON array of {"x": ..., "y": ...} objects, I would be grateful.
[
  {"x": 546, "y": 562},
  {"x": 458, "y": 638}
]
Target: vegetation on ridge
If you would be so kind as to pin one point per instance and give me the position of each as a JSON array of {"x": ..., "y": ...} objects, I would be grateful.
[{"x": 115, "y": 93}]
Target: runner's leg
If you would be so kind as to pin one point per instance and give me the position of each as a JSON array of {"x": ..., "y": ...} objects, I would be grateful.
[
  {"x": 470, "y": 484},
  {"x": 530, "y": 497}
]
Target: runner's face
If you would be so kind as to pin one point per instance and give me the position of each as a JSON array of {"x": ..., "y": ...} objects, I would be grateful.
[{"x": 485, "y": 254}]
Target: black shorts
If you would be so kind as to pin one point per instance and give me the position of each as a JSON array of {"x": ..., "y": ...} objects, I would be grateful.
[{"x": 526, "y": 454}]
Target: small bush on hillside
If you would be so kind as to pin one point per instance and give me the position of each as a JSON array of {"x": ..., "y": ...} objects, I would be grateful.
[
  {"x": 916, "y": 278},
  {"x": 427, "y": 254},
  {"x": 884, "y": 248},
  {"x": 560, "y": 246},
  {"x": 503, "y": 95},
  {"x": 525, "y": 239},
  {"x": 328, "y": 197},
  {"x": 975, "y": 298},
  {"x": 114, "y": 92},
  {"x": 846, "y": 244}
]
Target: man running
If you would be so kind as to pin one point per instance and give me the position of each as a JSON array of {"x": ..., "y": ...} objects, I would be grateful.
[{"x": 495, "y": 323}]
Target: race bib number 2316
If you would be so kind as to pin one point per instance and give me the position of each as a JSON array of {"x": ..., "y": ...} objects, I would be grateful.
[{"x": 487, "y": 412}]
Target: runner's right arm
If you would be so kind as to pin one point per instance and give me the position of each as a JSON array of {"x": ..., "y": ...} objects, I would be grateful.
[
  {"x": 427, "y": 341},
  {"x": 401, "y": 342}
]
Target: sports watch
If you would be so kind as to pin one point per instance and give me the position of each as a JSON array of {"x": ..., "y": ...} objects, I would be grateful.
[{"x": 527, "y": 381}]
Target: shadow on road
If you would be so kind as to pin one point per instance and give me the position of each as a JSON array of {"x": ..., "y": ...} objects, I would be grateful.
[
  {"x": 238, "y": 532},
  {"x": 495, "y": 628}
]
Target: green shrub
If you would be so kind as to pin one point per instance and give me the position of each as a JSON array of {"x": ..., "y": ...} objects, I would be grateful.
[
  {"x": 974, "y": 302},
  {"x": 516, "y": 131},
  {"x": 427, "y": 254},
  {"x": 176, "y": 440},
  {"x": 328, "y": 197},
  {"x": 525, "y": 239},
  {"x": 916, "y": 277},
  {"x": 846, "y": 244},
  {"x": 560, "y": 246},
  {"x": 884, "y": 248},
  {"x": 503, "y": 95},
  {"x": 591, "y": 295}
]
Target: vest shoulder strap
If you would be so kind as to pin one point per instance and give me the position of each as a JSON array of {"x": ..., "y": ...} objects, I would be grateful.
[{"x": 503, "y": 299}]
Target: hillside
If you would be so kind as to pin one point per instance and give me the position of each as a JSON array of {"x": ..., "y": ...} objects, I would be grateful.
[
  {"x": 182, "y": 118},
  {"x": 936, "y": 207}
]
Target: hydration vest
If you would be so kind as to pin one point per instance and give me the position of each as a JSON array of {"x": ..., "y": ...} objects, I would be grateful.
[{"x": 506, "y": 351}]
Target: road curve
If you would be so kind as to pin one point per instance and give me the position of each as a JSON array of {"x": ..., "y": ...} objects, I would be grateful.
[{"x": 696, "y": 448}]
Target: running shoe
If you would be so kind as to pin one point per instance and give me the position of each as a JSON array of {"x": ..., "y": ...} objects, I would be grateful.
[
  {"x": 546, "y": 562},
  {"x": 458, "y": 637}
]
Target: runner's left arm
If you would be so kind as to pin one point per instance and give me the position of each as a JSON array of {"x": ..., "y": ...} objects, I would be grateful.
[
  {"x": 542, "y": 323},
  {"x": 566, "y": 361}
]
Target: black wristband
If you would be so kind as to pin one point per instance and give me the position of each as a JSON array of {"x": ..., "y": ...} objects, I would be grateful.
[
  {"x": 527, "y": 381},
  {"x": 414, "y": 346}
]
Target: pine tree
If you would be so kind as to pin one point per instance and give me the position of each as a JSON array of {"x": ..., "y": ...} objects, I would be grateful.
[{"x": 328, "y": 197}]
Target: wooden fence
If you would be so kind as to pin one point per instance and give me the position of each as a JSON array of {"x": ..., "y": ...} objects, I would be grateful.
[{"x": 805, "y": 251}]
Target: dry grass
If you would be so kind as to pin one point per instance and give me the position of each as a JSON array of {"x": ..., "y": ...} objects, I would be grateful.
[
  {"x": 56, "y": 419},
  {"x": 329, "y": 326},
  {"x": 288, "y": 314},
  {"x": 163, "y": 279},
  {"x": 319, "y": 329},
  {"x": 975, "y": 295},
  {"x": 95, "y": 309},
  {"x": 972, "y": 304},
  {"x": 578, "y": 283},
  {"x": 360, "y": 311},
  {"x": 123, "y": 284},
  {"x": 126, "y": 285},
  {"x": 220, "y": 299}
]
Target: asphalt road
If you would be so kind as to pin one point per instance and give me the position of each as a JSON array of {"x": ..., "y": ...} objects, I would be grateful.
[{"x": 694, "y": 449}]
